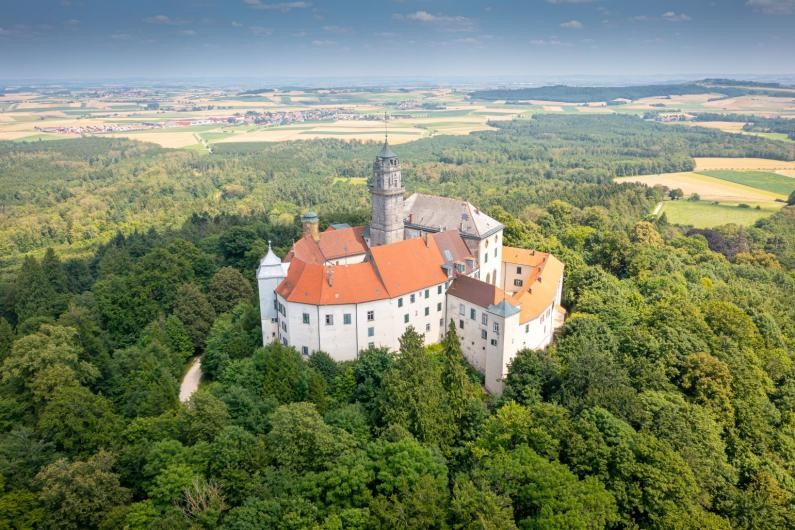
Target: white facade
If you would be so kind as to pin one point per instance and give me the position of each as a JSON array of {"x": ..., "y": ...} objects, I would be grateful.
[
  {"x": 270, "y": 273},
  {"x": 344, "y": 330}
]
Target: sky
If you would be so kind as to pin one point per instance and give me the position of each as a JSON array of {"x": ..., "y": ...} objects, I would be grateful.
[{"x": 435, "y": 39}]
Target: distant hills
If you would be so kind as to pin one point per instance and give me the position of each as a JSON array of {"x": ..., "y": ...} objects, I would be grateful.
[{"x": 585, "y": 94}]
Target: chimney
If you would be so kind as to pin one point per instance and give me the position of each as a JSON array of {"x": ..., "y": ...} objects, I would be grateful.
[
  {"x": 411, "y": 217},
  {"x": 330, "y": 276},
  {"x": 310, "y": 222},
  {"x": 533, "y": 252},
  {"x": 426, "y": 238}
]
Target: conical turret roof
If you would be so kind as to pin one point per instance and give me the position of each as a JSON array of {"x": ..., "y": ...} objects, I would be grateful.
[
  {"x": 270, "y": 266},
  {"x": 386, "y": 151}
]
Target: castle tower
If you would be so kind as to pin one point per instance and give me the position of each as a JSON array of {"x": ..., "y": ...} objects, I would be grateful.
[
  {"x": 386, "y": 195},
  {"x": 270, "y": 273}
]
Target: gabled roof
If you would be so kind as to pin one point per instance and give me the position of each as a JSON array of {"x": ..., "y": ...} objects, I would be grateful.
[
  {"x": 453, "y": 249},
  {"x": 444, "y": 213},
  {"x": 308, "y": 283},
  {"x": 503, "y": 309},
  {"x": 475, "y": 291},
  {"x": 342, "y": 242},
  {"x": 333, "y": 244},
  {"x": 540, "y": 288},
  {"x": 409, "y": 265}
]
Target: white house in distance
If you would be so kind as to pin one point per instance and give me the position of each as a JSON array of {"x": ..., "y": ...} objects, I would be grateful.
[{"x": 423, "y": 261}]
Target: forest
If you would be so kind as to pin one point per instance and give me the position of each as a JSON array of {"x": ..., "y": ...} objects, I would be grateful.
[
  {"x": 666, "y": 401},
  {"x": 585, "y": 94},
  {"x": 74, "y": 194}
]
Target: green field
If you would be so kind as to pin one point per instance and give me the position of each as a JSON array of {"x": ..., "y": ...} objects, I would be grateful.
[
  {"x": 703, "y": 214},
  {"x": 763, "y": 180}
]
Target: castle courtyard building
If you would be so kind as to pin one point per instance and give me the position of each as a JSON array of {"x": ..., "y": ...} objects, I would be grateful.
[{"x": 424, "y": 261}]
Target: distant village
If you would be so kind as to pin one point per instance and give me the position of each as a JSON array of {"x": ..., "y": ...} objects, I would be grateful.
[{"x": 266, "y": 119}]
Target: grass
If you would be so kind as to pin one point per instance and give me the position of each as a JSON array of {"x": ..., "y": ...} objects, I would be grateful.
[
  {"x": 358, "y": 181},
  {"x": 762, "y": 180},
  {"x": 703, "y": 214}
]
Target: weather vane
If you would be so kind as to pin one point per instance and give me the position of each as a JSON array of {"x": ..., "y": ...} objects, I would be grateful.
[{"x": 386, "y": 127}]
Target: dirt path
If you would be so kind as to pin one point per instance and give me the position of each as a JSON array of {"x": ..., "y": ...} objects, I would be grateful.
[
  {"x": 657, "y": 208},
  {"x": 191, "y": 380}
]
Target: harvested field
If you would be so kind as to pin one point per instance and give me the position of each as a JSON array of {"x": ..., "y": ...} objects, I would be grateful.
[
  {"x": 762, "y": 180},
  {"x": 162, "y": 138},
  {"x": 707, "y": 164},
  {"x": 726, "y": 126},
  {"x": 708, "y": 188}
]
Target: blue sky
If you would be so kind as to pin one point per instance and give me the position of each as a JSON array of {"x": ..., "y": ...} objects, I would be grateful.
[{"x": 81, "y": 39}]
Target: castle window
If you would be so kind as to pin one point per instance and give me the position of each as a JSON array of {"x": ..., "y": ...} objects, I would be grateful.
[
  {"x": 370, "y": 316},
  {"x": 484, "y": 319},
  {"x": 329, "y": 320},
  {"x": 371, "y": 344},
  {"x": 527, "y": 328},
  {"x": 483, "y": 334},
  {"x": 460, "y": 267},
  {"x": 406, "y": 318},
  {"x": 493, "y": 342},
  {"x": 400, "y": 302},
  {"x": 517, "y": 283},
  {"x": 461, "y": 309},
  {"x": 495, "y": 252},
  {"x": 427, "y": 293},
  {"x": 473, "y": 315},
  {"x": 306, "y": 318},
  {"x": 497, "y": 328},
  {"x": 438, "y": 289},
  {"x": 439, "y": 306},
  {"x": 304, "y": 351},
  {"x": 486, "y": 257},
  {"x": 518, "y": 270},
  {"x": 461, "y": 324},
  {"x": 427, "y": 311},
  {"x": 427, "y": 327},
  {"x": 413, "y": 298},
  {"x": 371, "y": 332},
  {"x": 346, "y": 319}
]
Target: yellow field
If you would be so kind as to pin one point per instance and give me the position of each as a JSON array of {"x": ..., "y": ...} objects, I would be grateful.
[
  {"x": 708, "y": 188},
  {"x": 706, "y": 164},
  {"x": 165, "y": 138},
  {"x": 726, "y": 126}
]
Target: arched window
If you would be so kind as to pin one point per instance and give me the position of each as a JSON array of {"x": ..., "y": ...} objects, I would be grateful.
[{"x": 488, "y": 278}]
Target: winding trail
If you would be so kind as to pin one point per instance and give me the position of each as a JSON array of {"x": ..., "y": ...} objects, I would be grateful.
[{"x": 191, "y": 380}]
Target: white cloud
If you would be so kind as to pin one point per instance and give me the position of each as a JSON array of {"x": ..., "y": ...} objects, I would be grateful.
[
  {"x": 441, "y": 21},
  {"x": 773, "y": 7},
  {"x": 120, "y": 36},
  {"x": 260, "y": 31},
  {"x": 672, "y": 16},
  {"x": 236, "y": 24},
  {"x": 572, "y": 24},
  {"x": 165, "y": 20},
  {"x": 339, "y": 30},
  {"x": 71, "y": 22},
  {"x": 277, "y": 6},
  {"x": 554, "y": 41},
  {"x": 187, "y": 32},
  {"x": 324, "y": 43}
]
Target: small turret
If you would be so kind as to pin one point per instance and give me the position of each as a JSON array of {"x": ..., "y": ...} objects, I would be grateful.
[
  {"x": 310, "y": 223},
  {"x": 270, "y": 273}
]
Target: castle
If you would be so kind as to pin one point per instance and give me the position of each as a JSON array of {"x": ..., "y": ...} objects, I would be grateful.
[{"x": 424, "y": 261}]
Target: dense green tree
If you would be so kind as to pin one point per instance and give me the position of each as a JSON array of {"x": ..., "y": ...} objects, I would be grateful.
[
  {"x": 80, "y": 494},
  {"x": 413, "y": 395},
  {"x": 195, "y": 312},
  {"x": 227, "y": 289}
]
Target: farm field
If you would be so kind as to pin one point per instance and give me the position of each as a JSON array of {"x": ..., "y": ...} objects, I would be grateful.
[
  {"x": 762, "y": 180},
  {"x": 708, "y": 164},
  {"x": 708, "y": 188},
  {"x": 704, "y": 214}
]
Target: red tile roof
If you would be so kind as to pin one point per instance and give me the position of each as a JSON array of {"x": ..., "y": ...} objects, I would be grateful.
[
  {"x": 540, "y": 288},
  {"x": 308, "y": 283},
  {"x": 333, "y": 244},
  {"x": 475, "y": 291},
  {"x": 409, "y": 265}
]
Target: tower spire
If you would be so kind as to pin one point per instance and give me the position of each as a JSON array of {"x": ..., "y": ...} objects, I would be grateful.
[{"x": 386, "y": 127}]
